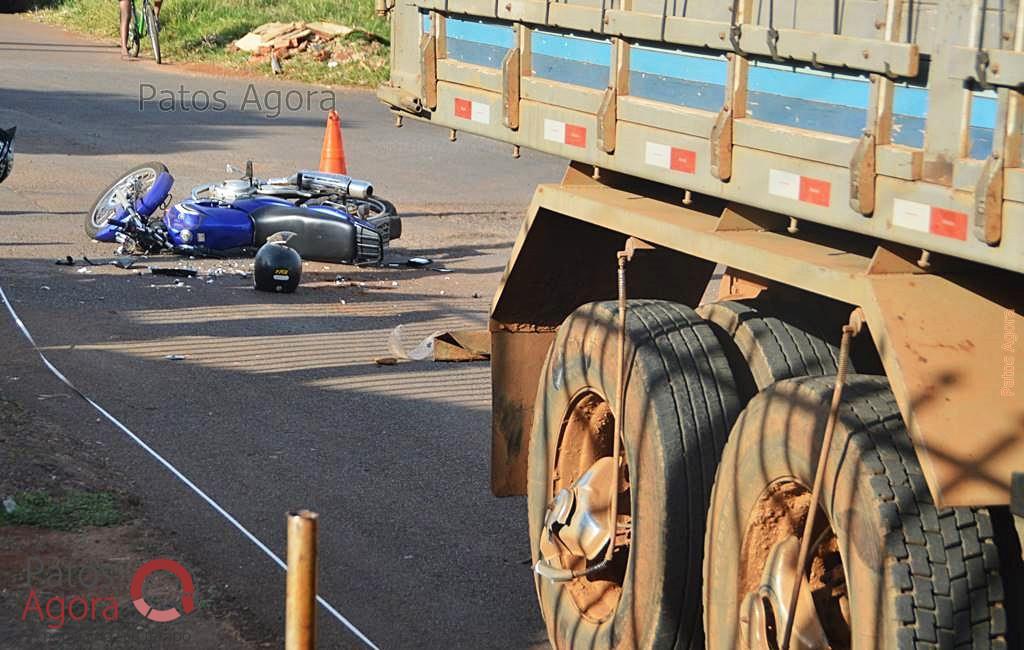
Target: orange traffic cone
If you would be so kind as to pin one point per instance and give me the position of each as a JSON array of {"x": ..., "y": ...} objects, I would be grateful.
[{"x": 332, "y": 155}]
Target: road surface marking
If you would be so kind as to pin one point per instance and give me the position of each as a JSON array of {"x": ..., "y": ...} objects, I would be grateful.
[{"x": 174, "y": 470}]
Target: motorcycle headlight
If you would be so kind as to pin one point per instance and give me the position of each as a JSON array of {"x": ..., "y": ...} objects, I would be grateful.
[{"x": 186, "y": 235}]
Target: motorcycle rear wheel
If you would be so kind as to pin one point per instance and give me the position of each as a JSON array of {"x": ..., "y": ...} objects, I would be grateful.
[{"x": 103, "y": 208}]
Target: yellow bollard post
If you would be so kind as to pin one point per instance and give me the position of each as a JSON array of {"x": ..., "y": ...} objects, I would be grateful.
[{"x": 300, "y": 594}]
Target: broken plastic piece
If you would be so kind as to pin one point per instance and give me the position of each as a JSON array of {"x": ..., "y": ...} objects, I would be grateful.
[
  {"x": 124, "y": 262},
  {"x": 177, "y": 273},
  {"x": 424, "y": 350}
]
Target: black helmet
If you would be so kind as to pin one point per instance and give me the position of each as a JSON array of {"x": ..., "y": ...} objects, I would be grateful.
[{"x": 277, "y": 267}]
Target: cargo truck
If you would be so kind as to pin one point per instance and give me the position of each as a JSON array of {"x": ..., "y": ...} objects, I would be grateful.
[{"x": 754, "y": 358}]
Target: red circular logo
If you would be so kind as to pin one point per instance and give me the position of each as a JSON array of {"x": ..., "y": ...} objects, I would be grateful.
[{"x": 187, "y": 590}]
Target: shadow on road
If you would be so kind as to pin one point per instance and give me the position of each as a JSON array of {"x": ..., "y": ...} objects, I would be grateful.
[
  {"x": 161, "y": 131},
  {"x": 278, "y": 404}
]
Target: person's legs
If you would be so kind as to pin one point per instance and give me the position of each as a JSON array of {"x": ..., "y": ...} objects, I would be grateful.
[
  {"x": 156, "y": 5},
  {"x": 124, "y": 27}
]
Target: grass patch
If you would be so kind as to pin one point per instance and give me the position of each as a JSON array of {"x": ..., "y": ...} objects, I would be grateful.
[
  {"x": 71, "y": 510},
  {"x": 199, "y": 30}
]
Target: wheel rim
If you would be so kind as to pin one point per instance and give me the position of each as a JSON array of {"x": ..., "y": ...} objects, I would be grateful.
[
  {"x": 106, "y": 207},
  {"x": 586, "y": 436},
  {"x": 768, "y": 572}
]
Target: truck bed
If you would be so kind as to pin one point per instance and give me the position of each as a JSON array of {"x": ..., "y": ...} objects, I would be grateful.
[{"x": 897, "y": 120}]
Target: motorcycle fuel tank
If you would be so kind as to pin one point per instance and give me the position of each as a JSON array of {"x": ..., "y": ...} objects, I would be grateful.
[{"x": 213, "y": 225}]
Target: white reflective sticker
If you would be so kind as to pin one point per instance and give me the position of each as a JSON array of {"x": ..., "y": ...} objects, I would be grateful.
[
  {"x": 554, "y": 131},
  {"x": 659, "y": 155},
  {"x": 480, "y": 112},
  {"x": 784, "y": 184},
  {"x": 911, "y": 214}
]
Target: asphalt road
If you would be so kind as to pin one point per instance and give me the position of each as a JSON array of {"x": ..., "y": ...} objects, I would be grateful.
[{"x": 278, "y": 404}]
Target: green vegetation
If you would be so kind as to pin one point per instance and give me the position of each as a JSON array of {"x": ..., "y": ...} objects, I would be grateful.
[
  {"x": 67, "y": 511},
  {"x": 197, "y": 31}
]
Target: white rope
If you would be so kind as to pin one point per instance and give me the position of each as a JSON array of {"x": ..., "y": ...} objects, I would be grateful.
[{"x": 174, "y": 470}]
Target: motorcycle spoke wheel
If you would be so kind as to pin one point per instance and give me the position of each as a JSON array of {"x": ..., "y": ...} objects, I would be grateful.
[{"x": 104, "y": 207}]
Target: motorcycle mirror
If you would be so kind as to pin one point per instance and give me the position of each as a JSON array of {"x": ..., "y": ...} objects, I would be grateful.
[{"x": 248, "y": 170}]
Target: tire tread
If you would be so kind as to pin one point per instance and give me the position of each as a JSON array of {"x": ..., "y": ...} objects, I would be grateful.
[{"x": 949, "y": 553}]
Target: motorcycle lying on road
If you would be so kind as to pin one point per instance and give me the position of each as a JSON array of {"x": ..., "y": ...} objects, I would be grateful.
[{"x": 335, "y": 218}]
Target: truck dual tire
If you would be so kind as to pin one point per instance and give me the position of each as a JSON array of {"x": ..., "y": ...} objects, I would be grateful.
[
  {"x": 890, "y": 570},
  {"x": 763, "y": 348},
  {"x": 680, "y": 404}
]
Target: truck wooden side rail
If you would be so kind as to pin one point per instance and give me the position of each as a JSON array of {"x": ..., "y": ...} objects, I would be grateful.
[{"x": 818, "y": 165}]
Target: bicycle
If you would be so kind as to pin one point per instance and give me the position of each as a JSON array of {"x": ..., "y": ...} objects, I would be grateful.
[{"x": 140, "y": 23}]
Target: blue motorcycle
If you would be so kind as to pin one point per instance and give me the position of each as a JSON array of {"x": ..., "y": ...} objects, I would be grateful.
[{"x": 335, "y": 218}]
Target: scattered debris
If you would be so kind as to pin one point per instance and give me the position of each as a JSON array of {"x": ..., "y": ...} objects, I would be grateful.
[
  {"x": 463, "y": 345},
  {"x": 424, "y": 350},
  {"x": 175, "y": 357},
  {"x": 454, "y": 345},
  {"x": 84, "y": 269},
  {"x": 177, "y": 273},
  {"x": 10, "y": 505},
  {"x": 412, "y": 262},
  {"x": 45, "y": 287},
  {"x": 386, "y": 361},
  {"x": 120, "y": 262},
  {"x": 124, "y": 262},
  {"x": 279, "y": 41},
  {"x": 46, "y": 396}
]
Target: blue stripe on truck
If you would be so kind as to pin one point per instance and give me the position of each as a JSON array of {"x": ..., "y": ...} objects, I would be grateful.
[
  {"x": 582, "y": 60},
  {"x": 476, "y": 31},
  {"x": 678, "y": 65},
  {"x": 572, "y": 48}
]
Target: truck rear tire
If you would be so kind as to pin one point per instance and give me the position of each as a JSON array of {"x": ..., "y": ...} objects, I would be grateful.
[
  {"x": 888, "y": 569},
  {"x": 680, "y": 405},
  {"x": 768, "y": 348}
]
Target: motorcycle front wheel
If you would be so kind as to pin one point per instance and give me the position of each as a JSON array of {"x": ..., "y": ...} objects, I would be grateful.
[{"x": 104, "y": 207}]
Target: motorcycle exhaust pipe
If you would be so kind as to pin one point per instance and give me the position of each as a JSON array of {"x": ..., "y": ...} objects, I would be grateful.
[{"x": 318, "y": 181}]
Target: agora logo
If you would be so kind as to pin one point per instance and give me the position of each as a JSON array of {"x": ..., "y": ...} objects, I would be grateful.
[{"x": 91, "y": 592}]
